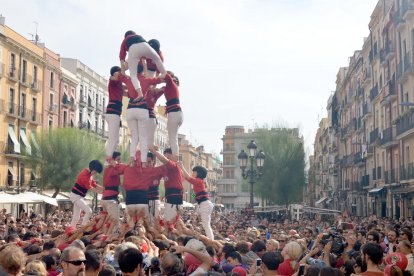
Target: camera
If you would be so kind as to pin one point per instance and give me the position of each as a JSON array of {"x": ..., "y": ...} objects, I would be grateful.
[
  {"x": 258, "y": 262},
  {"x": 338, "y": 245}
]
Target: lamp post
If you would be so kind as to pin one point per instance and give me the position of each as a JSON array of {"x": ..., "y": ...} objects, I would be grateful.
[{"x": 251, "y": 173}]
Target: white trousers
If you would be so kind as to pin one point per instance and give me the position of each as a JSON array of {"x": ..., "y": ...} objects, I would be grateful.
[
  {"x": 137, "y": 211},
  {"x": 79, "y": 205},
  {"x": 112, "y": 207},
  {"x": 171, "y": 212},
  {"x": 114, "y": 122},
  {"x": 137, "y": 120},
  {"x": 205, "y": 209},
  {"x": 135, "y": 53},
  {"x": 155, "y": 209},
  {"x": 151, "y": 128},
  {"x": 174, "y": 121}
]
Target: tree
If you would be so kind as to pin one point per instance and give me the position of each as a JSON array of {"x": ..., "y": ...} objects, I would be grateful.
[
  {"x": 284, "y": 169},
  {"x": 59, "y": 154}
]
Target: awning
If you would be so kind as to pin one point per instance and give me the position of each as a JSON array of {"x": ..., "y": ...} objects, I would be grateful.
[
  {"x": 14, "y": 139},
  {"x": 376, "y": 190},
  {"x": 34, "y": 142},
  {"x": 37, "y": 198},
  {"x": 405, "y": 190},
  {"x": 6, "y": 198},
  {"x": 25, "y": 141},
  {"x": 10, "y": 169},
  {"x": 321, "y": 200}
]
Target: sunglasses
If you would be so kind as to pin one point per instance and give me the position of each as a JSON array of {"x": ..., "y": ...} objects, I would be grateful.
[{"x": 77, "y": 262}]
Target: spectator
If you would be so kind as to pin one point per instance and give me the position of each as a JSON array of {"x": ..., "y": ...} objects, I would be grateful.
[
  {"x": 130, "y": 261},
  {"x": 372, "y": 257},
  {"x": 404, "y": 247},
  {"x": 107, "y": 270},
  {"x": 73, "y": 261},
  {"x": 406, "y": 234},
  {"x": 12, "y": 260},
  {"x": 271, "y": 262},
  {"x": 51, "y": 265},
  {"x": 93, "y": 262},
  {"x": 330, "y": 271},
  {"x": 171, "y": 265},
  {"x": 291, "y": 253},
  {"x": 36, "y": 268},
  {"x": 392, "y": 241},
  {"x": 272, "y": 245},
  {"x": 373, "y": 236}
]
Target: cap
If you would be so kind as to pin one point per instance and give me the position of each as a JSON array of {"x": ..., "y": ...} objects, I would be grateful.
[{"x": 240, "y": 270}]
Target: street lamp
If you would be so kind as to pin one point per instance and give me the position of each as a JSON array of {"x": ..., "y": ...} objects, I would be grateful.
[{"x": 251, "y": 173}]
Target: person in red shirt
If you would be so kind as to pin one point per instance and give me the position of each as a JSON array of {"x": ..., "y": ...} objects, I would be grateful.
[
  {"x": 111, "y": 182},
  {"x": 173, "y": 110},
  {"x": 84, "y": 182},
  {"x": 150, "y": 68},
  {"x": 114, "y": 107},
  {"x": 173, "y": 183},
  {"x": 205, "y": 206},
  {"x": 136, "y": 185},
  {"x": 137, "y": 48},
  {"x": 154, "y": 191}
]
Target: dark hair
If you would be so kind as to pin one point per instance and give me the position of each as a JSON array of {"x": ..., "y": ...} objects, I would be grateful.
[
  {"x": 129, "y": 33},
  {"x": 130, "y": 233},
  {"x": 167, "y": 150},
  {"x": 187, "y": 239},
  {"x": 11, "y": 238},
  {"x": 151, "y": 155},
  {"x": 363, "y": 233},
  {"x": 374, "y": 252},
  {"x": 312, "y": 271},
  {"x": 86, "y": 241},
  {"x": 129, "y": 260},
  {"x": 258, "y": 246},
  {"x": 140, "y": 68},
  {"x": 155, "y": 44},
  {"x": 211, "y": 251},
  {"x": 407, "y": 232},
  {"x": 242, "y": 247},
  {"x": 95, "y": 165},
  {"x": 349, "y": 267},
  {"x": 234, "y": 255},
  {"x": 115, "y": 69},
  {"x": 93, "y": 260},
  {"x": 34, "y": 249},
  {"x": 201, "y": 171},
  {"x": 116, "y": 154},
  {"x": 107, "y": 270},
  {"x": 375, "y": 235},
  {"x": 272, "y": 260},
  {"x": 49, "y": 245},
  {"x": 49, "y": 261},
  {"x": 330, "y": 271},
  {"x": 161, "y": 244},
  {"x": 227, "y": 249}
]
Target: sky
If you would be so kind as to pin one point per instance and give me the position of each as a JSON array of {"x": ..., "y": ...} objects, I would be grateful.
[{"x": 240, "y": 62}]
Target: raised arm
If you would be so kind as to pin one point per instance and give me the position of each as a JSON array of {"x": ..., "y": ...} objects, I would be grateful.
[
  {"x": 207, "y": 260},
  {"x": 185, "y": 173},
  {"x": 160, "y": 156}
]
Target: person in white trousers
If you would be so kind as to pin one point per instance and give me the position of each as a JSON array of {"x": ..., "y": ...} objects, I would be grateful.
[
  {"x": 137, "y": 48},
  {"x": 84, "y": 182},
  {"x": 173, "y": 110},
  {"x": 205, "y": 205}
]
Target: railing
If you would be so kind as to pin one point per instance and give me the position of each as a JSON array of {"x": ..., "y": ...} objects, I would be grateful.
[
  {"x": 99, "y": 106},
  {"x": 366, "y": 109},
  {"x": 35, "y": 85},
  {"x": 12, "y": 109},
  {"x": 366, "y": 75},
  {"x": 373, "y": 93},
  {"x": 356, "y": 186},
  {"x": 389, "y": 176},
  {"x": 379, "y": 173},
  {"x": 9, "y": 149},
  {"x": 35, "y": 117},
  {"x": 25, "y": 79},
  {"x": 358, "y": 157},
  {"x": 374, "y": 174},
  {"x": 405, "y": 122},
  {"x": 386, "y": 136},
  {"x": 23, "y": 113},
  {"x": 407, "y": 172},
  {"x": 373, "y": 136},
  {"x": 12, "y": 74},
  {"x": 83, "y": 99}
]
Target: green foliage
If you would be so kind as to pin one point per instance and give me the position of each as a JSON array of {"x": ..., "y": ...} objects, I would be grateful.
[
  {"x": 61, "y": 154},
  {"x": 284, "y": 169}
]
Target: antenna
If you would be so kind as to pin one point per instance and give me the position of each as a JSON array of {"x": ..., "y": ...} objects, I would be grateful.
[{"x": 36, "y": 36}]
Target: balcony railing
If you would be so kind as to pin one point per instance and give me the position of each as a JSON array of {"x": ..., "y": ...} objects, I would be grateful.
[
  {"x": 407, "y": 172},
  {"x": 365, "y": 181},
  {"x": 12, "y": 109},
  {"x": 35, "y": 117},
  {"x": 373, "y": 92},
  {"x": 379, "y": 173},
  {"x": 9, "y": 149},
  {"x": 374, "y": 174},
  {"x": 12, "y": 73},
  {"x": 405, "y": 122},
  {"x": 356, "y": 186},
  {"x": 366, "y": 75},
  {"x": 23, "y": 113},
  {"x": 358, "y": 157},
  {"x": 386, "y": 136},
  {"x": 373, "y": 136},
  {"x": 389, "y": 176},
  {"x": 366, "y": 109}
]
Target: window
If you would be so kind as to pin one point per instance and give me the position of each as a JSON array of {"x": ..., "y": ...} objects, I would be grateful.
[
  {"x": 34, "y": 108},
  {"x": 11, "y": 101},
  {"x": 23, "y": 105},
  {"x": 51, "y": 101},
  {"x": 50, "y": 122},
  {"x": 65, "y": 118},
  {"x": 12, "y": 65},
  {"x": 34, "y": 74},
  {"x": 24, "y": 71},
  {"x": 10, "y": 174},
  {"x": 21, "y": 174},
  {"x": 52, "y": 79}
]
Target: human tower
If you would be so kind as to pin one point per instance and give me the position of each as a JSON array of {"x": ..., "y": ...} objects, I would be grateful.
[{"x": 141, "y": 178}]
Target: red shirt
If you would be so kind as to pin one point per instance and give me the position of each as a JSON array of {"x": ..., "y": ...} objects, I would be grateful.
[
  {"x": 112, "y": 178},
  {"x": 151, "y": 98},
  {"x": 170, "y": 89},
  {"x": 132, "y": 93},
  {"x": 137, "y": 178},
  {"x": 151, "y": 65},
  {"x": 285, "y": 268},
  {"x": 124, "y": 46},
  {"x": 85, "y": 180},
  {"x": 147, "y": 82},
  {"x": 115, "y": 90},
  {"x": 173, "y": 178},
  {"x": 372, "y": 273},
  {"x": 198, "y": 184}
]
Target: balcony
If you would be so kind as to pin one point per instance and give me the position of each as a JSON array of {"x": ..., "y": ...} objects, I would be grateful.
[
  {"x": 25, "y": 80},
  {"x": 389, "y": 92},
  {"x": 373, "y": 136},
  {"x": 68, "y": 102},
  {"x": 356, "y": 186},
  {"x": 407, "y": 10},
  {"x": 366, "y": 111},
  {"x": 99, "y": 107},
  {"x": 91, "y": 104},
  {"x": 389, "y": 176},
  {"x": 52, "y": 108},
  {"x": 8, "y": 150},
  {"x": 399, "y": 21},
  {"x": 23, "y": 113},
  {"x": 405, "y": 123},
  {"x": 12, "y": 110},
  {"x": 373, "y": 93},
  {"x": 35, "y": 85},
  {"x": 387, "y": 138},
  {"x": 83, "y": 100},
  {"x": 365, "y": 181},
  {"x": 358, "y": 159},
  {"x": 35, "y": 117},
  {"x": 12, "y": 74},
  {"x": 407, "y": 172},
  {"x": 374, "y": 174}
]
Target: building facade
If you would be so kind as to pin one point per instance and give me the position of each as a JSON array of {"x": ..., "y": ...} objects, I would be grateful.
[
  {"x": 371, "y": 120},
  {"x": 22, "y": 65}
]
